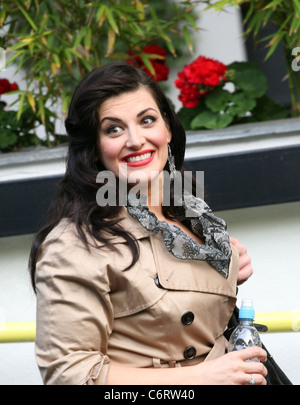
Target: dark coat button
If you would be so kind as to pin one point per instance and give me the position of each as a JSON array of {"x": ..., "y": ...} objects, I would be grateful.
[
  {"x": 187, "y": 318},
  {"x": 189, "y": 352}
]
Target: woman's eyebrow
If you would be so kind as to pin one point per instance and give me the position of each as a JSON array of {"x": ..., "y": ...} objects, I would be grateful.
[
  {"x": 111, "y": 119},
  {"x": 118, "y": 120},
  {"x": 144, "y": 111}
]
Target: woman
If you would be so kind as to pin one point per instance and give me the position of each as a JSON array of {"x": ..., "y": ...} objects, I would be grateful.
[{"x": 132, "y": 290}]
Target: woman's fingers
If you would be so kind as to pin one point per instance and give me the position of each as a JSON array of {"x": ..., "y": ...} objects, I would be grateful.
[
  {"x": 245, "y": 266},
  {"x": 255, "y": 379},
  {"x": 256, "y": 367},
  {"x": 254, "y": 371},
  {"x": 253, "y": 352}
]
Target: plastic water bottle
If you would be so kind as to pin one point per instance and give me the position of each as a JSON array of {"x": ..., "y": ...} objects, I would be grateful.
[{"x": 245, "y": 334}]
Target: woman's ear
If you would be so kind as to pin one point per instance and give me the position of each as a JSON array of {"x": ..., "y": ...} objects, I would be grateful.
[{"x": 169, "y": 136}]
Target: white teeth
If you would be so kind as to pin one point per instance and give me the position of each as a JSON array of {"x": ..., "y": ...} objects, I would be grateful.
[{"x": 138, "y": 158}]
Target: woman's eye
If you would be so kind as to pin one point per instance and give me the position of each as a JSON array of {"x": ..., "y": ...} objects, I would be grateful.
[
  {"x": 148, "y": 120},
  {"x": 113, "y": 130}
]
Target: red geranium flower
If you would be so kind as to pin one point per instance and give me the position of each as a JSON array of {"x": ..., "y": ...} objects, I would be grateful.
[
  {"x": 6, "y": 86},
  {"x": 199, "y": 78},
  {"x": 14, "y": 86},
  {"x": 160, "y": 68}
]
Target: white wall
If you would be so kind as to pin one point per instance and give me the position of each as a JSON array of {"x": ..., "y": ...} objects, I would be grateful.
[
  {"x": 271, "y": 235},
  {"x": 17, "y": 304}
]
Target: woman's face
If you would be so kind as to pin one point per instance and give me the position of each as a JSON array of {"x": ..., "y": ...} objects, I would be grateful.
[{"x": 133, "y": 137}]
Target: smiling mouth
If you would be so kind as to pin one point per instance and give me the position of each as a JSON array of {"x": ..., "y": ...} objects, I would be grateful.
[{"x": 139, "y": 159}]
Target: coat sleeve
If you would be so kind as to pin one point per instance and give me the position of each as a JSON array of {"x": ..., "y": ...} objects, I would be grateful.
[{"x": 74, "y": 312}]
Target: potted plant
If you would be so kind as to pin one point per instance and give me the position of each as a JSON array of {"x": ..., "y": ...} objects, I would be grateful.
[
  {"x": 285, "y": 16},
  {"x": 209, "y": 104}
]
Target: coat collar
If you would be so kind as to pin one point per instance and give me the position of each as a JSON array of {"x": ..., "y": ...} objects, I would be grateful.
[{"x": 216, "y": 250}]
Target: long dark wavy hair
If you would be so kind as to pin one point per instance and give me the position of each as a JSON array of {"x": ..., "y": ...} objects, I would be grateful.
[{"x": 76, "y": 196}]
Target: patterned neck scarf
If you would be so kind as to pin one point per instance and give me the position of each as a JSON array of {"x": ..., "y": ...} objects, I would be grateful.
[{"x": 216, "y": 249}]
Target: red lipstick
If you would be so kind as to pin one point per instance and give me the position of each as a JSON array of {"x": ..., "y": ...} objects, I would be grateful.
[{"x": 139, "y": 162}]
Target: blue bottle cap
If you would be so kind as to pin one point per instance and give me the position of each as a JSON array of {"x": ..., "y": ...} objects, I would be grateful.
[{"x": 246, "y": 311}]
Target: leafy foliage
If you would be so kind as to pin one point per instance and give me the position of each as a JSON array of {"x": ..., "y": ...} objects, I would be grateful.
[
  {"x": 285, "y": 16},
  {"x": 247, "y": 101},
  {"x": 20, "y": 132},
  {"x": 57, "y": 42}
]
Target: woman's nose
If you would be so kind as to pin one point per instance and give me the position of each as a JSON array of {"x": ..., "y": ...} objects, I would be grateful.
[{"x": 135, "y": 139}]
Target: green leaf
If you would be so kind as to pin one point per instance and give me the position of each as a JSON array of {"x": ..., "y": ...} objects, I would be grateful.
[
  {"x": 294, "y": 26},
  {"x": 211, "y": 120},
  {"x": 15, "y": 56},
  {"x": 219, "y": 5},
  {"x": 192, "y": 21},
  {"x": 100, "y": 12},
  {"x": 88, "y": 38},
  {"x": 241, "y": 103},
  {"x": 7, "y": 138},
  {"x": 78, "y": 37},
  {"x": 217, "y": 100},
  {"x": 256, "y": 21},
  {"x": 41, "y": 109},
  {"x": 186, "y": 116},
  {"x": 76, "y": 53},
  {"x": 140, "y": 10},
  {"x": 21, "y": 103},
  {"x": 249, "y": 12},
  {"x": 274, "y": 43},
  {"x": 111, "y": 20},
  {"x": 273, "y": 4},
  {"x": 146, "y": 60},
  {"x": 168, "y": 42},
  {"x": 153, "y": 14},
  {"x": 249, "y": 78},
  {"x": 188, "y": 39},
  {"x": 28, "y": 18},
  {"x": 267, "y": 109},
  {"x": 31, "y": 100},
  {"x": 56, "y": 59},
  {"x": 68, "y": 54},
  {"x": 18, "y": 45},
  {"x": 296, "y": 5},
  {"x": 65, "y": 103}
]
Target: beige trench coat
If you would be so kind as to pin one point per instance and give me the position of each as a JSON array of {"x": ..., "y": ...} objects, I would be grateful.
[{"x": 163, "y": 312}]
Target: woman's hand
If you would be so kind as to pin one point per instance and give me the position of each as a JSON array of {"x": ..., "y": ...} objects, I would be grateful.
[
  {"x": 233, "y": 369},
  {"x": 229, "y": 369},
  {"x": 246, "y": 269}
]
